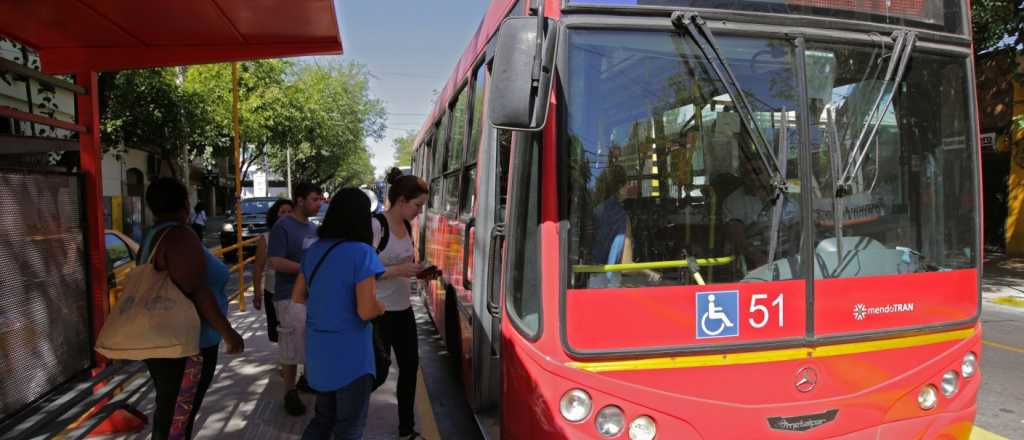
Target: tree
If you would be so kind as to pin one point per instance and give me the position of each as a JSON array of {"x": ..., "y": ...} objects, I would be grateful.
[
  {"x": 148, "y": 108},
  {"x": 266, "y": 120},
  {"x": 403, "y": 149},
  {"x": 997, "y": 23},
  {"x": 334, "y": 114}
]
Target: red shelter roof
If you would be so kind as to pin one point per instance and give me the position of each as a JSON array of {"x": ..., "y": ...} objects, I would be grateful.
[{"x": 104, "y": 35}]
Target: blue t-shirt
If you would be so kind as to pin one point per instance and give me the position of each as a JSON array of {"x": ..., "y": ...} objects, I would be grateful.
[
  {"x": 339, "y": 344},
  {"x": 217, "y": 275},
  {"x": 289, "y": 239}
]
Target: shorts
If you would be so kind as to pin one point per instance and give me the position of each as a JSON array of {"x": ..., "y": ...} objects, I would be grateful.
[{"x": 291, "y": 332}]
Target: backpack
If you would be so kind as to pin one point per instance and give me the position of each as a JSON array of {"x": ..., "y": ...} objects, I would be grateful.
[{"x": 385, "y": 232}]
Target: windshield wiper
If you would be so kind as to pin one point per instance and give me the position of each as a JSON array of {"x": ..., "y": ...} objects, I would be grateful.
[
  {"x": 774, "y": 164},
  {"x": 902, "y": 48},
  {"x": 705, "y": 41}
]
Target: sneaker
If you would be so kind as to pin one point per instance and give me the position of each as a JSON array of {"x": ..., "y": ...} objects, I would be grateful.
[
  {"x": 293, "y": 404},
  {"x": 303, "y": 385},
  {"x": 411, "y": 436}
]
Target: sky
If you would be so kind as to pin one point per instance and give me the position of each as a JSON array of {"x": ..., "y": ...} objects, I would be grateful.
[{"x": 410, "y": 48}]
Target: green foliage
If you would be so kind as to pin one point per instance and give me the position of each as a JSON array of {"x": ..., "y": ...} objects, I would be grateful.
[
  {"x": 147, "y": 108},
  {"x": 332, "y": 115},
  {"x": 323, "y": 113},
  {"x": 995, "y": 21},
  {"x": 403, "y": 149}
]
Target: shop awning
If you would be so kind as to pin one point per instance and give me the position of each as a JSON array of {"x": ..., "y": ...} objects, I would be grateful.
[{"x": 107, "y": 35}]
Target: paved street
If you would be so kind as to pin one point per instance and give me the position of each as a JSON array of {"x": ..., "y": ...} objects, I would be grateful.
[{"x": 1001, "y": 402}]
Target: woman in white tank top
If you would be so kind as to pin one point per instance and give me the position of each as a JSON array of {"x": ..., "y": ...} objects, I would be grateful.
[{"x": 397, "y": 327}]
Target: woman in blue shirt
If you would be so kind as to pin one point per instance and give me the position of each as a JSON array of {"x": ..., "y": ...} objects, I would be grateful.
[{"x": 342, "y": 269}]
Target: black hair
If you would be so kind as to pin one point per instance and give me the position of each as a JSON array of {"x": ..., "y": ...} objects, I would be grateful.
[
  {"x": 304, "y": 189},
  {"x": 200, "y": 206},
  {"x": 348, "y": 217},
  {"x": 406, "y": 186},
  {"x": 272, "y": 213},
  {"x": 165, "y": 196}
]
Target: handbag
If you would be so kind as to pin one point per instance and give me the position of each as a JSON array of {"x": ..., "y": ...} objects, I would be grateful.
[
  {"x": 152, "y": 320},
  {"x": 381, "y": 355}
]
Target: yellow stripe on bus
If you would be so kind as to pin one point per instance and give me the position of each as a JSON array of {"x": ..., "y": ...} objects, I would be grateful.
[{"x": 757, "y": 357}]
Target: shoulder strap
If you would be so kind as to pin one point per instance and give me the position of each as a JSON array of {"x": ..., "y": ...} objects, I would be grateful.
[
  {"x": 321, "y": 261},
  {"x": 149, "y": 248},
  {"x": 385, "y": 233}
]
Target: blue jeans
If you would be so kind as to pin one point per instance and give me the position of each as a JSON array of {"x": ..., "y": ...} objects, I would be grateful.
[{"x": 341, "y": 412}]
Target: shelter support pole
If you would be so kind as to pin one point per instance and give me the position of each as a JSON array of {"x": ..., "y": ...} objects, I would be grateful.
[
  {"x": 238, "y": 185},
  {"x": 91, "y": 167}
]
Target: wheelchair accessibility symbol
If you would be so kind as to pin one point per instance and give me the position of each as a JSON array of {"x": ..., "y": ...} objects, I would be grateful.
[{"x": 718, "y": 314}]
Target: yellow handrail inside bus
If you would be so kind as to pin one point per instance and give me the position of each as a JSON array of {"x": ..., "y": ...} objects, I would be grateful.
[{"x": 629, "y": 267}]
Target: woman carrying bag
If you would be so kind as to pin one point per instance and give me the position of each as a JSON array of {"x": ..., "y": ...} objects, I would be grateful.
[{"x": 174, "y": 248}]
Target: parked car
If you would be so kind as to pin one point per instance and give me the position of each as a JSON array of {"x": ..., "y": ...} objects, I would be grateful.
[
  {"x": 254, "y": 222},
  {"x": 121, "y": 253}
]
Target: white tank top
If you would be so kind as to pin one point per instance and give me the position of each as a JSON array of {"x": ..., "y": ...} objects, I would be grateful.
[{"x": 394, "y": 292}]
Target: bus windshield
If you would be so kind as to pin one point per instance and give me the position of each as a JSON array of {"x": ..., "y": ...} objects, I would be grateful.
[
  {"x": 937, "y": 15},
  {"x": 663, "y": 175}
]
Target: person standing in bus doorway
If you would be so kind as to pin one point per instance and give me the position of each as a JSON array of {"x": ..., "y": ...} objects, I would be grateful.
[
  {"x": 397, "y": 328},
  {"x": 338, "y": 279},
  {"x": 264, "y": 273},
  {"x": 289, "y": 239},
  {"x": 181, "y": 383}
]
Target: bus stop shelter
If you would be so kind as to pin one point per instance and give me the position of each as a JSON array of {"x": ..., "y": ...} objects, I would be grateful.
[{"x": 84, "y": 37}]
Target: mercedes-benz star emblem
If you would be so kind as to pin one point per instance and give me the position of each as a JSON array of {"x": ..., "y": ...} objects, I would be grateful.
[{"x": 806, "y": 379}]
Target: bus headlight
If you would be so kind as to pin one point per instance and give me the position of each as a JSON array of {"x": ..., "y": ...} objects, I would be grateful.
[
  {"x": 969, "y": 366},
  {"x": 642, "y": 428},
  {"x": 228, "y": 227},
  {"x": 927, "y": 397},
  {"x": 610, "y": 421},
  {"x": 950, "y": 383},
  {"x": 575, "y": 405}
]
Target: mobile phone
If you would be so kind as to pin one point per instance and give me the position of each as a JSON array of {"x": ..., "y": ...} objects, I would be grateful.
[{"x": 428, "y": 273}]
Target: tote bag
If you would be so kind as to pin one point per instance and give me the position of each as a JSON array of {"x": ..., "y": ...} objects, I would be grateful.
[{"x": 152, "y": 320}]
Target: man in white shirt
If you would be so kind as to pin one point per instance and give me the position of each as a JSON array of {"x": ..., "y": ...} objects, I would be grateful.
[{"x": 748, "y": 216}]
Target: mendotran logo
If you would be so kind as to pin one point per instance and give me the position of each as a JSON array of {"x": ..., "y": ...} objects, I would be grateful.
[{"x": 802, "y": 423}]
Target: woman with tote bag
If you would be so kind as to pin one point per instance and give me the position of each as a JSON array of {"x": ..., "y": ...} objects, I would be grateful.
[{"x": 173, "y": 252}]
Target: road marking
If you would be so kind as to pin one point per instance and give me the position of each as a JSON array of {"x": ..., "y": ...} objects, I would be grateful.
[
  {"x": 981, "y": 434},
  {"x": 1003, "y": 346},
  {"x": 427, "y": 422}
]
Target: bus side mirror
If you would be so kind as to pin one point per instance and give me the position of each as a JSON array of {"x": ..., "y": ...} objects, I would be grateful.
[{"x": 521, "y": 75}]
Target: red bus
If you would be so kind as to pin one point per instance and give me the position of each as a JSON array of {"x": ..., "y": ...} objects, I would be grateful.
[{"x": 682, "y": 219}]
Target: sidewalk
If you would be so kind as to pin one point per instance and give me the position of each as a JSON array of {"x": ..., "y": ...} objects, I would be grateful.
[
  {"x": 245, "y": 399},
  {"x": 1003, "y": 281}
]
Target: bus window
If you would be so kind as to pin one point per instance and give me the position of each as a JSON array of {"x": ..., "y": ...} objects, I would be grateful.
[
  {"x": 903, "y": 208},
  {"x": 440, "y": 144},
  {"x": 504, "y": 155},
  {"x": 476, "y": 121},
  {"x": 458, "y": 136},
  {"x": 436, "y": 196},
  {"x": 663, "y": 173},
  {"x": 468, "y": 199},
  {"x": 522, "y": 276},
  {"x": 451, "y": 190}
]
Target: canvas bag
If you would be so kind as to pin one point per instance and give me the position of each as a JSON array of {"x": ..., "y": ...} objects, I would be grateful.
[{"x": 152, "y": 320}]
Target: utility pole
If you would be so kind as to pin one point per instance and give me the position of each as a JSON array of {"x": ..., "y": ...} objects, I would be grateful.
[{"x": 288, "y": 159}]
